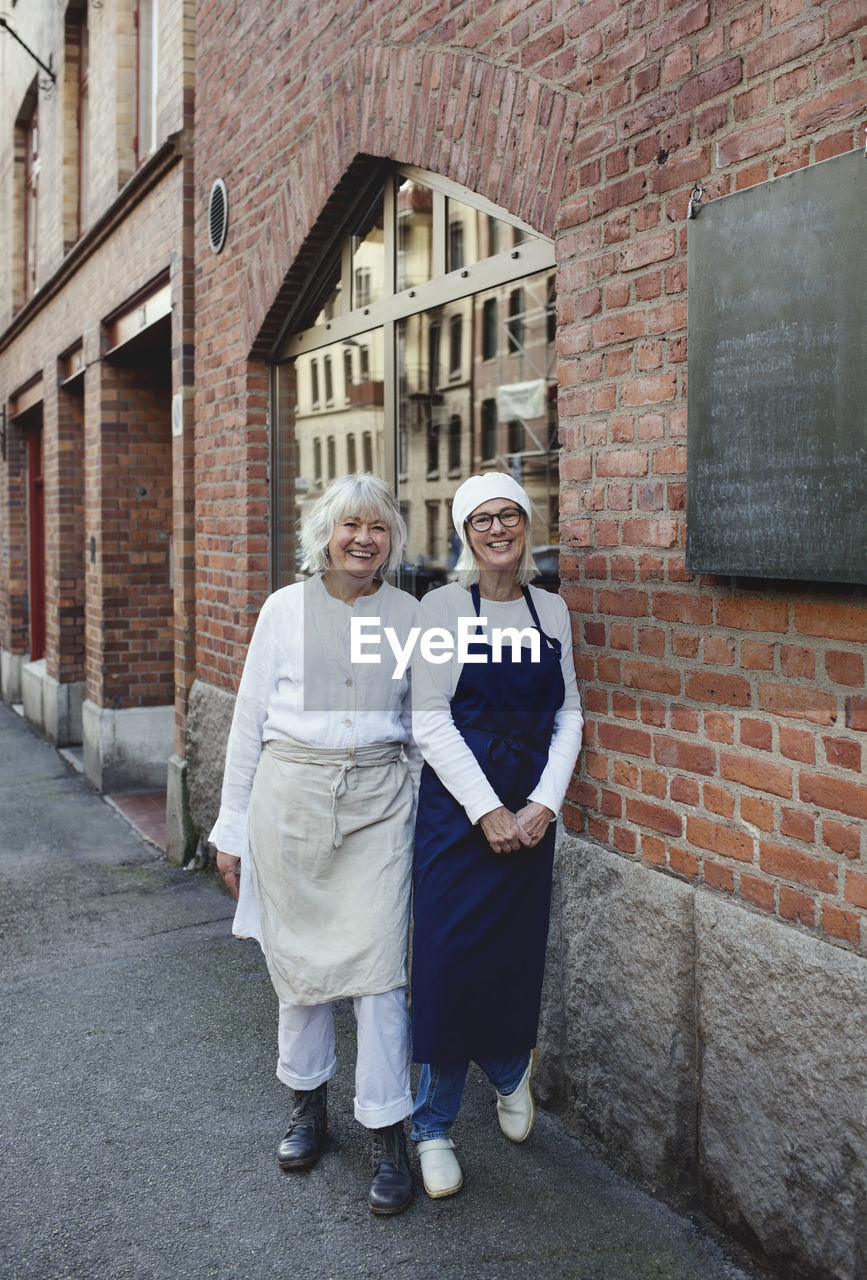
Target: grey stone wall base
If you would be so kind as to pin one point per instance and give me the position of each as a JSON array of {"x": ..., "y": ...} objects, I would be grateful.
[
  {"x": 127, "y": 749},
  {"x": 53, "y": 708},
  {"x": 62, "y": 711},
  {"x": 628, "y": 1049},
  {"x": 783, "y": 1090},
  {"x": 714, "y": 1055},
  {"x": 10, "y": 675},
  {"x": 209, "y": 719},
  {"x": 181, "y": 838},
  {"x": 32, "y": 690}
]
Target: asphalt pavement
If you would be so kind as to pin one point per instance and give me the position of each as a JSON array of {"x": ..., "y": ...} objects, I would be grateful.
[{"x": 140, "y": 1110}]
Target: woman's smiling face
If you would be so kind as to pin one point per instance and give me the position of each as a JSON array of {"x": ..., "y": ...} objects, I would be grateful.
[
  {"x": 360, "y": 546},
  {"x": 498, "y": 547}
]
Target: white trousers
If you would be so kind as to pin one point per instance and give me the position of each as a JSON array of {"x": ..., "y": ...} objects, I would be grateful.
[{"x": 305, "y": 1041}]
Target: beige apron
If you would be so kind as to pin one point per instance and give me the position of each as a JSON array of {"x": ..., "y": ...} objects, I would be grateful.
[{"x": 331, "y": 859}]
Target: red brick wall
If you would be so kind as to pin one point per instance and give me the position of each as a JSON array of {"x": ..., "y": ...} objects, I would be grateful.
[
  {"x": 137, "y": 228},
  {"x": 65, "y": 539},
  {"x": 130, "y": 600},
  {"x": 139, "y": 252},
  {"x": 726, "y": 719},
  {"x": 14, "y": 586},
  {"x": 726, "y": 727}
]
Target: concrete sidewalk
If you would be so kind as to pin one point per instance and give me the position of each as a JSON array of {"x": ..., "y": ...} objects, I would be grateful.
[{"x": 140, "y": 1109}]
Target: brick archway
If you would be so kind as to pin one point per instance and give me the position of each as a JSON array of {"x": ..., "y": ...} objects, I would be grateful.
[{"x": 493, "y": 129}]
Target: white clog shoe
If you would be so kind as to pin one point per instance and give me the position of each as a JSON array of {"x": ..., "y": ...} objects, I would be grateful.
[
  {"x": 439, "y": 1167},
  {"x": 517, "y": 1111}
]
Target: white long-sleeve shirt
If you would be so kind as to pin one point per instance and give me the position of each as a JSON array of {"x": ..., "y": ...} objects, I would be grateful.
[
  {"x": 299, "y": 682},
  {"x": 434, "y": 685}
]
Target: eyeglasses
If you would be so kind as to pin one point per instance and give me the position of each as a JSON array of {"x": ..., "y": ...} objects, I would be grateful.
[{"x": 508, "y": 517}]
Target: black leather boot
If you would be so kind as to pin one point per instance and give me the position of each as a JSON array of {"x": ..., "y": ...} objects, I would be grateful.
[
  {"x": 305, "y": 1137},
  {"x": 391, "y": 1189}
]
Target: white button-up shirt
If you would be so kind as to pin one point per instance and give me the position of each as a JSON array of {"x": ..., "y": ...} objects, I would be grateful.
[{"x": 299, "y": 682}]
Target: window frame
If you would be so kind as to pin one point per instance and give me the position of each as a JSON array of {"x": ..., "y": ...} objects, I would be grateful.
[{"x": 344, "y": 322}]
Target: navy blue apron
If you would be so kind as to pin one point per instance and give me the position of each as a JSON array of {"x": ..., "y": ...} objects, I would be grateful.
[{"x": 480, "y": 919}]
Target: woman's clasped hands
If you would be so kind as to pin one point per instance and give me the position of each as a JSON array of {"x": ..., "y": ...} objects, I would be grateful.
[{"x": 507, "y": 832}]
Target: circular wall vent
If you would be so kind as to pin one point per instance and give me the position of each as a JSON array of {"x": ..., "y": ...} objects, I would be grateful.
[{"x": 218, "y": 215}]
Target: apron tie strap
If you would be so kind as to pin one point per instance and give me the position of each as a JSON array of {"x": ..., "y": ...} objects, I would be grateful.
[
  {"x": 338, "y": 788},
  {"x": 345, "y": 759}
]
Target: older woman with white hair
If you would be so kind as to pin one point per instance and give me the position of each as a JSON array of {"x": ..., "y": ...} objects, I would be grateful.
[
  {"x": 314, "y": 834},
  {"x": 499, "y": 726}
]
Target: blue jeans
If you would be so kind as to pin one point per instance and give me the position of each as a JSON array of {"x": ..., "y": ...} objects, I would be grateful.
[{"x": 441, "y": 1087}]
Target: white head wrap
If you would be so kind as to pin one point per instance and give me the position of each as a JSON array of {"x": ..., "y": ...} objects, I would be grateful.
[{"x": 478, "y": 489}]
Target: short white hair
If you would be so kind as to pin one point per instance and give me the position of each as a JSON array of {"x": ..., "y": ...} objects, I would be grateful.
[
  {"x": 467, "y": 566},
  {"x": 360, "y": 494}
]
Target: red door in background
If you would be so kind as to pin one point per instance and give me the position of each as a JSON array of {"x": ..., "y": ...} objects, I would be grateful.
[{"x": 36, "y": 543}]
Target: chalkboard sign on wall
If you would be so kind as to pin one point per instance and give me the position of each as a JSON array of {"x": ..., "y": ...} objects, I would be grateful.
[{"x": 777, "y": 426}]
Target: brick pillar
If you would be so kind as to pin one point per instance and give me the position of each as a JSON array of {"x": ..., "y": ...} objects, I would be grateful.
[
  {"x": 14, "y": 619},
  {"x": 128, "y": 714},
  {"x": 63, "y": 692},
  {"x": 181, "y": 838}
]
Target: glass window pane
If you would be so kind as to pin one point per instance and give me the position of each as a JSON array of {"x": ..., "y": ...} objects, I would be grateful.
[
  {"x": 336, "y": 435},
  {"x": 368, "y": 259},
  {"x": 333, "y": 287},
  {"x": 474, "y": 236},
  {"x": 489, "y": 329},
  {"x": 516, "y": 321},
  {"x": 475, "y": 376},
  {"x": 429, "y": 405},
  {"x": 498, "y": 413},
  {"x": 414, "y": 238}
]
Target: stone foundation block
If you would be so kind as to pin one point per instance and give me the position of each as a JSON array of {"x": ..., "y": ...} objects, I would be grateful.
[
  {"x": 209, "y": 719},
  {"x": 127, "y": 749},
  {"x": 10, "y": 675},
  {"x": 628, "y": 1057},
  {"x": 783, "y": 1090}
]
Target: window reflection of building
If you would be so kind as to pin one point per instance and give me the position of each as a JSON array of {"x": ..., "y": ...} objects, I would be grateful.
[
  {"x": 456, "y": 334},
  {"x": 456, "y": 245},
  {"x": 489, "y": 329},
  {"x": 362, "y": 287},
  {"x": 433, "y": 530},
  {"x": 434, "y": 358},
  {"x": 455, "y": 432},
  {"x": 489, "y": 430},
  {"x": 455, "y": 375},
  {"x": 433, "y": 449},
  {"x": 516, "y": 320}
]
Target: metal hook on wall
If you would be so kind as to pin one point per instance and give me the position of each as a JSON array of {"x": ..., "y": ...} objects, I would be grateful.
[{"x": 695, "y": 202}]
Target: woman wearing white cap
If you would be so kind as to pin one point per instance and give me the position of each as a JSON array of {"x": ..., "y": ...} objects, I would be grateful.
[{"x": 499, "y": 727}]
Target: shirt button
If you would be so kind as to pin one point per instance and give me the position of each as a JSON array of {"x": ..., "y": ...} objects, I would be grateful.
[
  {"x": 349, "y": 682},
  {"x": 347, "y": 722}
]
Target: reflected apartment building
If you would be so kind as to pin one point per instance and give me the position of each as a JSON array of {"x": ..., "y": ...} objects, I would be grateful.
[{"x": 466, "y": 354}]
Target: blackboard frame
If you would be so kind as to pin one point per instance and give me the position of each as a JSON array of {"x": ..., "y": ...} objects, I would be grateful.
[{"x": 777, "y": 393}]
